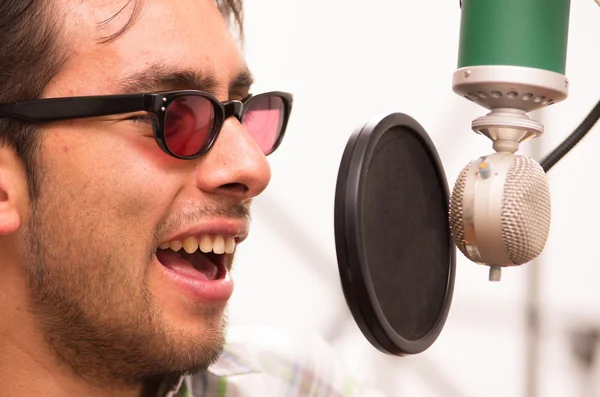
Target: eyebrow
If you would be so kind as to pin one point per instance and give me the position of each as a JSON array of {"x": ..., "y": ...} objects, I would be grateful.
[{"x": 158, "y": 78}]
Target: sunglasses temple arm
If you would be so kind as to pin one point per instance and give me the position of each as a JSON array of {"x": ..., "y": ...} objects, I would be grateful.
[{"x": 46, "y": 110}]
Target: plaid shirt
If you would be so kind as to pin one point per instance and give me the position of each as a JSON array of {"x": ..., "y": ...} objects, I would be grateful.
[{"x": 268, "y": 363}]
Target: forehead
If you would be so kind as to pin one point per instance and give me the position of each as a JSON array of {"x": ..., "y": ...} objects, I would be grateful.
[{"x": 182, "y": 34}]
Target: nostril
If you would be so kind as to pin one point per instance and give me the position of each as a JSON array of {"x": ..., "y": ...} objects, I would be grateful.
[{"x": 235, "y": 187}]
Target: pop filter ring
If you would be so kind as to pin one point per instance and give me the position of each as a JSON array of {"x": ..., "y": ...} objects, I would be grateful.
[{"x": 353, "y": 267}]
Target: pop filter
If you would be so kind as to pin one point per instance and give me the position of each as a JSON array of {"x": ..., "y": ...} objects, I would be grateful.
[{"x": 395, "y": 254}]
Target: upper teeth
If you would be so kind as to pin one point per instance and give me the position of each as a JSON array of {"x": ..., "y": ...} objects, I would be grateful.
[{"x": 216, "y": 243}]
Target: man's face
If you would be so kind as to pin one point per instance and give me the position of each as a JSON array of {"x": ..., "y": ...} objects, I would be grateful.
[{"x": 106, "y": 302}]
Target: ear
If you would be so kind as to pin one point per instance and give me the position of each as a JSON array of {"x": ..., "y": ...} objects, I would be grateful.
[{"x": 13, "y": 190}]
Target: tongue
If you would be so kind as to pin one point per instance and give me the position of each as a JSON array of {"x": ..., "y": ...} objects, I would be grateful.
[{"x": 196, "y": 265}]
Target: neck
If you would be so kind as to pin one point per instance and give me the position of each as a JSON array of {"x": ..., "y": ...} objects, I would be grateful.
[{"x": 28, "y": 367}]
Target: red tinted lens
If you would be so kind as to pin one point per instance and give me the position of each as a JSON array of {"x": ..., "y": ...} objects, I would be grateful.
[
  {"x": 189, "y": 123},
  {"x": 264, "y": 119}
]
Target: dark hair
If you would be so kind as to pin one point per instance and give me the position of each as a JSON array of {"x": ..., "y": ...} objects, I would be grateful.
[
  {"x": 28, "y": 61},
  {"x": 231, "y": 9},
  {"x": 30, "y": 56}
]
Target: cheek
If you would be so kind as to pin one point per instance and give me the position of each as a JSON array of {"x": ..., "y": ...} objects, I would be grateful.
[{"x": 118, "y": 183}]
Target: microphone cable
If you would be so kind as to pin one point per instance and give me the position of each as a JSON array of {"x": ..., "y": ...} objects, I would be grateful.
[{"x": 561, "y": 150}]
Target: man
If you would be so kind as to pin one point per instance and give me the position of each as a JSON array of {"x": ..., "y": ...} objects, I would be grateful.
[{"x": 131, "y": 151}]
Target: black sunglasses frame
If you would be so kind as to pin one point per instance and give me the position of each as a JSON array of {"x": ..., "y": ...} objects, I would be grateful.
[{"x": 57, "y": 109}]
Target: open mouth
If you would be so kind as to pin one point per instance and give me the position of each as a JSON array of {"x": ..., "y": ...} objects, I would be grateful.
[{"x": 202, "y": 259}]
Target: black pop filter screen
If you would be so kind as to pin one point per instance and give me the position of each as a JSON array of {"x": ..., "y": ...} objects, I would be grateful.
[
  {"x": 403, "y": 236},
  {"x": 396, "y": 256}
]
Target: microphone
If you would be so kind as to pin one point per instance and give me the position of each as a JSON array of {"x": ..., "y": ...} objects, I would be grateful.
[{"x": 511, "y": 61}]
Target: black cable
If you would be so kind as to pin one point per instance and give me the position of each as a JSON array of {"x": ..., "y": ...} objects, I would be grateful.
[{"x": 586, "y": 125}]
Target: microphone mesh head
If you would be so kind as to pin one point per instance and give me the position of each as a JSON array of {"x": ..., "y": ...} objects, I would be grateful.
[{"x": 526, "y": 210}]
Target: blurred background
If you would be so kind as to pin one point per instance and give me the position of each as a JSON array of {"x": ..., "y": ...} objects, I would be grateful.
[{"x": 346, "y": 61}]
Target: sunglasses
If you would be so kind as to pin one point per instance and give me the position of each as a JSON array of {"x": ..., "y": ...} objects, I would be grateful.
[{"x": 185, "y": 123}]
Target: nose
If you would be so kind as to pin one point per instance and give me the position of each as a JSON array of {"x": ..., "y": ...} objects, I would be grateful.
[{"x": 235, "y": 166}]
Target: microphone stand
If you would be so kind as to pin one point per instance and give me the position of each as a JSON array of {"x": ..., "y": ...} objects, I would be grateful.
[
  {"x": 532, "y": 317},
  {"x": 532, "y": 305}
]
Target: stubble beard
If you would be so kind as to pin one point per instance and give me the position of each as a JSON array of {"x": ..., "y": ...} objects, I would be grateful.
[{"x": 102, "y": 322}]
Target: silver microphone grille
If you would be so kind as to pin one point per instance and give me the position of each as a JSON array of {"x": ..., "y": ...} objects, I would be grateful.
[
  {"x": 500, "y": 210},
  {"x": 526, "y": 210}
]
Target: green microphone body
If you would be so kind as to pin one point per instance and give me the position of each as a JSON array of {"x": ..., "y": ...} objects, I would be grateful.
[{"x": 528, "y": 33}]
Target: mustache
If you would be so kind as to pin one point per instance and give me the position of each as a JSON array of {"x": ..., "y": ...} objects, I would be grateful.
[{"x": 196, "y": 214}]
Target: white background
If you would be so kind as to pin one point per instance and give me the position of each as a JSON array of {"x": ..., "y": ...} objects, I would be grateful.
[{"x": 348, "y": 61}]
